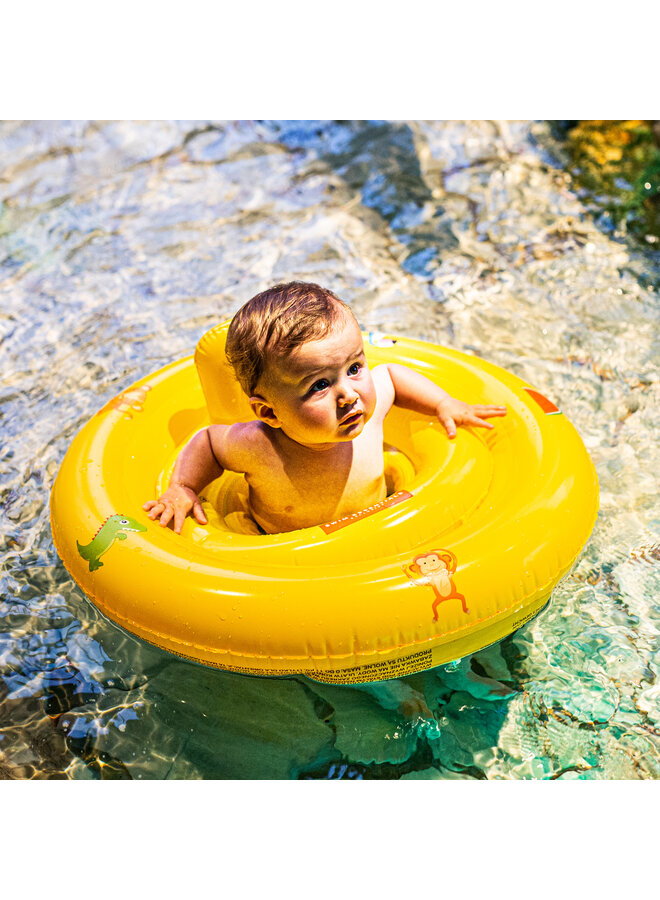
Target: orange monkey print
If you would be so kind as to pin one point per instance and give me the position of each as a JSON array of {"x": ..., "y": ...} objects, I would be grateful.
[{"x": 434, "y": 569}]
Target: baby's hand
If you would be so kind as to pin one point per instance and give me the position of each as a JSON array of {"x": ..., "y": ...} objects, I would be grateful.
[
  {"x": 452, "y": 412},
  {"x": 175, "y": 503}
]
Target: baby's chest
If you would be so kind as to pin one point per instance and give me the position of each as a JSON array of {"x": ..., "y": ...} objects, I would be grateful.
[
  {"x": 356, "y": 470},
  {"x": 351, "y": 476}
]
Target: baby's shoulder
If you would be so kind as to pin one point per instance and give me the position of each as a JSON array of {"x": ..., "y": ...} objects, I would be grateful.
[
  {"x": 384, "y": 389},
  {"x": 241, "y": 446}
]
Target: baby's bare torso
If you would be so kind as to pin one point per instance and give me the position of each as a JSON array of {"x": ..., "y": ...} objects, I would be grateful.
[
  {"x": 298, "y": 487},
  {"x": 292, "y": 486}
]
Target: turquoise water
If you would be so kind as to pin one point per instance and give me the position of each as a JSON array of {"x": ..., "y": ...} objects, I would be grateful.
[{"x": 121, "y": 243}]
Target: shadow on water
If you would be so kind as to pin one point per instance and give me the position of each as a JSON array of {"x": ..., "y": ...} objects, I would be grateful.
[{"x": 378, "y": 163}]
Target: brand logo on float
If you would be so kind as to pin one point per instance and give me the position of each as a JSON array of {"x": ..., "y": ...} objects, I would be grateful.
[{"x": 398, "y": 497}]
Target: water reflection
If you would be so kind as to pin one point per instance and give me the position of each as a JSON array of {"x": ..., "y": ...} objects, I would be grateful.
[{"x": 121, "y": 243}]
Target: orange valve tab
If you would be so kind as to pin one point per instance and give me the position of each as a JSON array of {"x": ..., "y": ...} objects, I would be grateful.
[{"x": 546, "y": 405}]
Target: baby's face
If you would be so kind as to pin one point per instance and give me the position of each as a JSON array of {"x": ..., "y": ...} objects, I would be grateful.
[{"x": 322, "y": 393}]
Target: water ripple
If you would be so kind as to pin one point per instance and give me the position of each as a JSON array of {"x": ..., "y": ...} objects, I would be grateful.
[{"x": 122, "y": 242}]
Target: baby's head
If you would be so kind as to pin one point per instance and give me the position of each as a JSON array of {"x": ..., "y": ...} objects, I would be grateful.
[
  {"x": 273, "y": 323},
  {"x": 298, "y": 354}
]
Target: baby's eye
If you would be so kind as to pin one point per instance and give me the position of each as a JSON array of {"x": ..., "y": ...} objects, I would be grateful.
[
  {"x": 320, "y": 385},
  {"x": 355, "y": 368}
]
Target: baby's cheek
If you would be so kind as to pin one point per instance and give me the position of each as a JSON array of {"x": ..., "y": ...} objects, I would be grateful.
[
  {"x": 369, "y": 395},
  {"x": 318, "y": 417}
]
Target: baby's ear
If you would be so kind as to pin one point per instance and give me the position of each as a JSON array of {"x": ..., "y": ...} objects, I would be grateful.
[{"x": 264, "y": 411}]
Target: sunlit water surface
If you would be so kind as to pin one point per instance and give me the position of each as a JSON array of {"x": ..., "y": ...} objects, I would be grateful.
[{"x": 122, "y": 243}]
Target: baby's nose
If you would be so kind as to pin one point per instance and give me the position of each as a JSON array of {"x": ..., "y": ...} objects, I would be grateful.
[{"x": 346, "y": 395}]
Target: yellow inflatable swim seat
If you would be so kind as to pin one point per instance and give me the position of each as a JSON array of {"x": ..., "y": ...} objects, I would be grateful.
[{"x": 473, "y": 537}]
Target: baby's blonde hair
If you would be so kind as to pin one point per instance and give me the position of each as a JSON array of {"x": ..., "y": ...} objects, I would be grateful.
[{"x": 275, "y": 322}]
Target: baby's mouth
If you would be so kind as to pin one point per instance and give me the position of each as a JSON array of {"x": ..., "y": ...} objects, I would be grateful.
[{"x": 352, "y": 418}]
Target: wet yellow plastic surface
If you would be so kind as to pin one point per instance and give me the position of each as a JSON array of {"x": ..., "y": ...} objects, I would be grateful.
[{"x": 487, "y": 523}]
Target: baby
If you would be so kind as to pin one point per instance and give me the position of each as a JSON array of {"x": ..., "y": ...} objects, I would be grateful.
[{"x": 314, "y": 452}]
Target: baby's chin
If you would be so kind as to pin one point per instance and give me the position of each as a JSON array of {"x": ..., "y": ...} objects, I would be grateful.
[
  {"x": 326, "y": 441},
  {"x": 350, "y": 433}
]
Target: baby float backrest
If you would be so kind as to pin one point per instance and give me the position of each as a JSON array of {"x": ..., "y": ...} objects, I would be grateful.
[{"x": 225, "y": 399}]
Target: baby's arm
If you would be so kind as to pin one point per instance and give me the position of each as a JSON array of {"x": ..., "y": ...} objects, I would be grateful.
[
  {"x": 416, "y": 392},
  {"x": 195, "y": 467}
]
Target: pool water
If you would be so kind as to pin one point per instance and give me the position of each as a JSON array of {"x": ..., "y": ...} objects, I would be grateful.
[{"x": 121, "y": 243}]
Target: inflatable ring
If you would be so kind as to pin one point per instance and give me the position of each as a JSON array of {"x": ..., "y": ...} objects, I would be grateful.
[{"x": 473, "y": 537}]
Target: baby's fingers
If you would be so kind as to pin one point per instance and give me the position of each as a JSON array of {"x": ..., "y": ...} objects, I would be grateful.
[
  {"x": 166, "y": 516},
  {"x": 449, "y": 425},
  {"x": 179, "y": 519},
  {"x": 487, "y": 412},
  {"x": 154, "y": 507},
  {"x": 200, "y": 515},
  {"x": 475, "y": 420}
]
